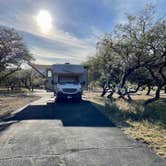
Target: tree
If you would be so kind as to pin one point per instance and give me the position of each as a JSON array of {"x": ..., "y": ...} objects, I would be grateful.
[
  {"x": 148, "y": 38},
  {"x": 135, "y": 53},
  {"x": 156, "y": 48},
  {"x": 28, "y": 79},
  {"x": 13, "y": 51}
]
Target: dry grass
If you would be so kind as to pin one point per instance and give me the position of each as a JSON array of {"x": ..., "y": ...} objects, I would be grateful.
[
  {"x": 10, "y": 103},
  {"x": 152, "y": 134},
  {"x": 146, "y": 124}
]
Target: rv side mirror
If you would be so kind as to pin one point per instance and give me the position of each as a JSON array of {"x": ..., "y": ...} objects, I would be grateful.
[{"x": 83, "y": 82}]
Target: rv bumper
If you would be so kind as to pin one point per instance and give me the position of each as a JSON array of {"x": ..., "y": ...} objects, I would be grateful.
[{"x": 61, "y": 95}]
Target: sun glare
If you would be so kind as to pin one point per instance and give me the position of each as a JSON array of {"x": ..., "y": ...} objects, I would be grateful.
[{"x": 44, "y": 21}]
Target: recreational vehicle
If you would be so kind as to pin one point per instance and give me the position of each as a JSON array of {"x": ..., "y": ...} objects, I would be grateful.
[{"x": 67, "y": 81}]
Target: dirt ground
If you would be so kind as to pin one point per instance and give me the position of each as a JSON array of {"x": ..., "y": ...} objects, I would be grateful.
[{"x": 10, "y": 103}]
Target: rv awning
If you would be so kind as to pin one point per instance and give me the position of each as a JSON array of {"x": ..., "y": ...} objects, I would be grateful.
[
  {"x": 41, "y": 69},
  {"x": 40, "y": 66}
]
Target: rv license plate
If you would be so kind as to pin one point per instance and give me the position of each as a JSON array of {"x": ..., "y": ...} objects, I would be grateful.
[{"x": 69, "y": 97}]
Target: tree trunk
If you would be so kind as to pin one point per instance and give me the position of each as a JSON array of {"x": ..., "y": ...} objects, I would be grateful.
[
  {"x": 127, "y": 73},
  {"x": 12, "y": 88},
  {"x": 32, "y": 88},
  {"x": 129, "y": 97},
  {"x": 157, "y": 95},
  {"x": 124, "y": 79},
  {"x": 110, "y": 95},
  {"x": 103, "y": 92},
  {"x": 149, "y": 90}
]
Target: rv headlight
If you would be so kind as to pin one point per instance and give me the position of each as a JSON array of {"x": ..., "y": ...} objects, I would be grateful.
[{"x": 79, "y": 89}]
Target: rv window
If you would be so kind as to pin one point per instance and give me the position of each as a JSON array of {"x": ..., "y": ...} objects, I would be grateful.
[
  {"x": 68, "y": 79},
  {"x": 49, "y": 73}
]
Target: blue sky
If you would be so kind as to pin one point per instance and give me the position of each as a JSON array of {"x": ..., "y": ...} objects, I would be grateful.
[{"x": 75, "y": 24}]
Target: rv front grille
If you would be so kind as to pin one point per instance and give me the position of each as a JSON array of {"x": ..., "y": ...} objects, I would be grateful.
[{"x": 69, "y": 90}]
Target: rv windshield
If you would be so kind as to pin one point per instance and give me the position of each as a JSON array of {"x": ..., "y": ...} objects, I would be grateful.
[{"x": 68, "y": 79}]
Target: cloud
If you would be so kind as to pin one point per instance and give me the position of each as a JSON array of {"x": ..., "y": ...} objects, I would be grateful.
[
  {"x": 46, "y": 57},
  {"x": 54, "y": 51},
  {"x": 57, "y": 45},
  {"x": 76, "y": 25},
  {"x": 123, "y": 7}
]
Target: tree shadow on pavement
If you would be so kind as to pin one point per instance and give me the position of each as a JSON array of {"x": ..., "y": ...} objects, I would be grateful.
[{"x": 70, "y": 113}]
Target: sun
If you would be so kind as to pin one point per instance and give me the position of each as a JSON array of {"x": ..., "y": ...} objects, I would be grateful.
[{"x": 44, "y": 21}]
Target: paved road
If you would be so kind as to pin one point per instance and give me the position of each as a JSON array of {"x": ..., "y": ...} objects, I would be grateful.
[{"x": 68, "y": 134}]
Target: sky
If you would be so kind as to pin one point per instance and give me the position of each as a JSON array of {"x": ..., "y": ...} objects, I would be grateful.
[{"x": 59, "y": 31}]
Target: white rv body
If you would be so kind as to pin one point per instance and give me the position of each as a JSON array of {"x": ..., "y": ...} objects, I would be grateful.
[{"x": 67, "y": 81}]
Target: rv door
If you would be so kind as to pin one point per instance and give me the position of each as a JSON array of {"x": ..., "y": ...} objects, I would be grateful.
[{"x": 49, "y": 81}]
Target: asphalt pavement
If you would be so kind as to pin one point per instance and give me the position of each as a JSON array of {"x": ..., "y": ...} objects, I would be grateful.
[{"x": 47, "y": 133}]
